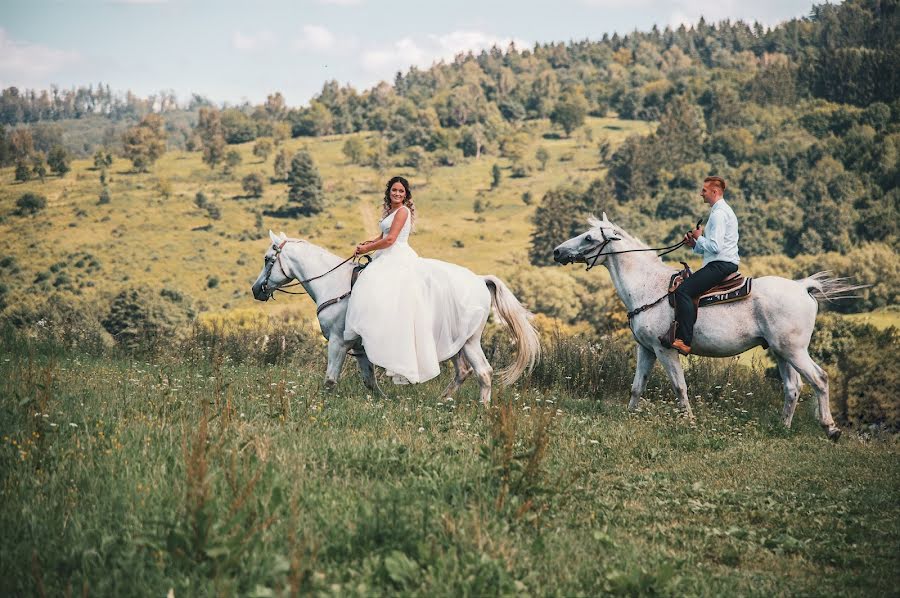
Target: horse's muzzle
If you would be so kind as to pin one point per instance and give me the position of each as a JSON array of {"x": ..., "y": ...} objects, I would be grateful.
[
  {"x": 260, "y": 294},
  {"x": 562, "y": 257}
]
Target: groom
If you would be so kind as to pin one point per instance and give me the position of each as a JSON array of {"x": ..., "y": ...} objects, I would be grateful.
[{"x": 719, "y": 248}]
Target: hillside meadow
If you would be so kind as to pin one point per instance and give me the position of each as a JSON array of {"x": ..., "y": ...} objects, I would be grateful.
[
  {"x": 152, "y": 233},
  {"x": 216, "y": 464}
]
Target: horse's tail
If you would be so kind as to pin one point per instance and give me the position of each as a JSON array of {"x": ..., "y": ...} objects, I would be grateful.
[
  {"x": 823, "y": 286},
  {"x": 516, "y": 317}
]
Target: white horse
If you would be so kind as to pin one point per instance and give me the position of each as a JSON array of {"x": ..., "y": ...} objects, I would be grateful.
[
  {"x": 326, "y": 278},
  {"x": 779, "y": 312}
]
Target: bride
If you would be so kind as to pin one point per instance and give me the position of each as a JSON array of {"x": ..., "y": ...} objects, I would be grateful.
[{"x": 412, "y": 313}]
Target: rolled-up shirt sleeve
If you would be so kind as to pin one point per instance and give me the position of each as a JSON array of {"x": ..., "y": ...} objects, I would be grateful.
[{"x": 713, "y": 238}]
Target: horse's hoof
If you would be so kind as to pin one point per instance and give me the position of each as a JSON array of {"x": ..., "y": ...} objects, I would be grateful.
[
  {"x": 834, "y": 434},
  {"x": 329, "y": 384}
]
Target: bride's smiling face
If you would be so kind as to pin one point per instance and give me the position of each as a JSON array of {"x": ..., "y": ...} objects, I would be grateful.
[{"x": 398, "y": 194}]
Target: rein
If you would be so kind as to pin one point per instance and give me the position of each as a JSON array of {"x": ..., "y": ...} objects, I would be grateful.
[
  {"x": 607, "y": 241},
  {"x": 297, "y": 281}
]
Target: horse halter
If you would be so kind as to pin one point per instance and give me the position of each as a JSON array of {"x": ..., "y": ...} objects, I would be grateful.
[
  {"x": 606, "y": 241},
  {"x": 600, "y": 248},
  {"x": 271, "y": 263}
]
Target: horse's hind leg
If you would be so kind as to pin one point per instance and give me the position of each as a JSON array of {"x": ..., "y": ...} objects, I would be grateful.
[
  {"x": 670, "y": 362},
  {"x": 462, "y": 372},
  {"x": 645, "y": 360},
  {"x": 365, "y": 366},
  {"x": 474, "y": 354},
  {"x": 792, "y": 383},
  {"x": 818, "y": 379},
  {"x": 337, "y": 353}
]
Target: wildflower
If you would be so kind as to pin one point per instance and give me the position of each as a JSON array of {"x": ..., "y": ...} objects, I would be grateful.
[
  {"x": 421, "y": 429},
  {"x": 73, "y": 425},
  {"x": 592, "y": 441},
  {"x": 749, "y": 394}
]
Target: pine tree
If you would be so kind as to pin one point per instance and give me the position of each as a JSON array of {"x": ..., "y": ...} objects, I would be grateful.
[{"x": 305, "y": 185}]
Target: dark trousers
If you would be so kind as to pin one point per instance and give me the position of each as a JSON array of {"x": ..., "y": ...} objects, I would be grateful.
[{"x": 698, "y": 283}]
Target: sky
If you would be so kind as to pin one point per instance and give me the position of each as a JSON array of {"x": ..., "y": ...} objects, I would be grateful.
[{"x": 233, "y": 51}]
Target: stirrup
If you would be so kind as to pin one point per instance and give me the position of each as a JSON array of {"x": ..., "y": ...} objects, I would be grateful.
[{"x": 668, "y": 338}]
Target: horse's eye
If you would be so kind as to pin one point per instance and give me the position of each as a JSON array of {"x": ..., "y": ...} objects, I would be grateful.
[{"x": 590, "y": 239}]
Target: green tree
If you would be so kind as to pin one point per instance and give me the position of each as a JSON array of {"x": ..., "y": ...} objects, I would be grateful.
[
  {"x": 102, "y": 159},
  {"x": 262, "y": 149},
  {"x": 253, "y": 185},
  {"x": 31, "y": 203},
  {"x": 23, "y": 171},
  {"x": 561, "y": 215},
  {"x": 39, "y": 166},
  {"x": 209, "y": 127},
  {"x": 570, "y": 112},
  {"x": 232, "y": 160},
  {"x": 354, "y": 149},
  {"x": 305, "y": 185},
  {"x": 280, "y": 166},
  {"x": 542, "y": 156},
  {"x": 496, "y": 176},
  {"x": 145, "y": 142},
  {"x": 58, "y": 160}
]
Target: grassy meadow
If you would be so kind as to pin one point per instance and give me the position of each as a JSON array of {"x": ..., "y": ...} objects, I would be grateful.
[
  {"x": 196, "y": 472},
  {"x": 219, "y": 466}
]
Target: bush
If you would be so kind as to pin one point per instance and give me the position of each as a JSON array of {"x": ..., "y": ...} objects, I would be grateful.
[
  {"x": 140, "y": 320},
  {"x": 864, "y": 370},
  {"x": 59, "y": 320},
  {"x": 253, "y": 185},
  {"x": 31, "y": 203}
]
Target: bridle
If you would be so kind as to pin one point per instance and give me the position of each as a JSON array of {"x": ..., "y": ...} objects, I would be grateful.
[
  {"x": 270, "y": 264},
  {"x": 591, "y": 261}
]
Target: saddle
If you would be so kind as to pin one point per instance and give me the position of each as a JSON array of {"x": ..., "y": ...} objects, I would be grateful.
[
  {"x": 734, "y": 287},
  {"x": 357, "y": 270}
]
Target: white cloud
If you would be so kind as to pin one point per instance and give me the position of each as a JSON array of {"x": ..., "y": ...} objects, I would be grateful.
[
  {"x": 425, "y": 51},
  {"x": 27, "y": 64},
  {"x": 140, "y": 1},
  {"x": 341, "y": 2},
  {"x": 251, "y": 42},
  {"x": 316, "y": 38}
]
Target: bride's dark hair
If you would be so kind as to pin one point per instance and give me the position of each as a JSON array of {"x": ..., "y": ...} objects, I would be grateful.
[{"x": 408, "y": 202}]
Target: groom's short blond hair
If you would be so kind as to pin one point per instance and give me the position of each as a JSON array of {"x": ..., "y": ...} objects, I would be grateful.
[{"x": 717, "y": 182}]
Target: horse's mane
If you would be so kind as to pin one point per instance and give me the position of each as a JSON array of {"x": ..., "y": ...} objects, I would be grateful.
[{"x": 595, "y": 222}]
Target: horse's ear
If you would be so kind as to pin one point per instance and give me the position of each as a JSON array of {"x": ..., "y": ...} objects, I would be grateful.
[
  {"x": 282, "y": 235},
  {"x": 274, "y": 237},
  {"x": 605, "y": 219}
]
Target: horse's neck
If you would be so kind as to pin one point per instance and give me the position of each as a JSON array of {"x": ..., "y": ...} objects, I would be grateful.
[
  {"x": 639, "y": 277},
  {"x": 308, "y": 261}
]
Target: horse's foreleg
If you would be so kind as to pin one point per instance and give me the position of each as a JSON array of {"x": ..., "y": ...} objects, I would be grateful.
[
  {"x": 792, "y": 383},
  {"x": 462, "y": 372},
  {"x": 474, "y": 354},
  {"x": 818, "y": 379},
  {"x": 670, "y": 362},
  {"x": 337, "y": 353},
  {"x": 645, "y": 360}
]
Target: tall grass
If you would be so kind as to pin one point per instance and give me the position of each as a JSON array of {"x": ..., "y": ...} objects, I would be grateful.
[{"x": 212, "y": 471}]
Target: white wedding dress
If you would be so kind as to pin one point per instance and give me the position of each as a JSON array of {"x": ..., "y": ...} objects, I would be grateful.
[{"x": 413, "y": 313}]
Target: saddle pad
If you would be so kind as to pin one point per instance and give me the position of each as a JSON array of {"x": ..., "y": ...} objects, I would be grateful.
[{"x": 727, "y": 296}]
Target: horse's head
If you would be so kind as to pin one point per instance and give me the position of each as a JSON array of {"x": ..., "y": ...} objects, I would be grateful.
[
  {"x": 273, "y": 274},
  {"x": 587, "y": 248}
]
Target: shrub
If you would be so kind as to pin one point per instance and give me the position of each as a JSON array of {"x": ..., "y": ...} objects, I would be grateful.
[
  {"x": 31, "y": 203},
  {"x": 864, "y": 370},
  {"x": 140, "y": 320},
  {"x": 253, "y": 185},
  {"x": 60, "y": 320}
]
